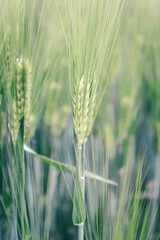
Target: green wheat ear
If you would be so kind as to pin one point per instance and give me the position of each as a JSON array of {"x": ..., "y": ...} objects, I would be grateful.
[
  {"x": 83, "y": 107},
  {"x": 21, "y": 107},
  {"x": 2, "y": 117}
]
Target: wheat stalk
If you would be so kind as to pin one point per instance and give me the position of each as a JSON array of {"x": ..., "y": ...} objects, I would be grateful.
[
  {"x": 93, "y": 29},
  {"x": 22, "y": 24},
  {"x": 91, "y": 40}
]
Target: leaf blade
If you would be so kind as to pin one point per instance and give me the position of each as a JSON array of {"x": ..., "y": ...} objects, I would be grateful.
[{"x": 69, "y": 168}]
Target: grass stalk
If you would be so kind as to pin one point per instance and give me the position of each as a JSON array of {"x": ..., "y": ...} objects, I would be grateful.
[
  {"x": 79, "y": 213},
  {"x": 81, "y": 231},
  {"x": 19, "y": 178},
  {"x": 81, "y": 151}
]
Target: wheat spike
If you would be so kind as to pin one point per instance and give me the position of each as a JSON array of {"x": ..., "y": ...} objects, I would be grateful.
[
  {"x": 91, "y": 39},
  {"x": 27, "y": 110},
  {"x": 83, "y": 105}
]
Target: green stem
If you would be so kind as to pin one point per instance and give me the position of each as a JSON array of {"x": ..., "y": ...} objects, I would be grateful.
[
  {"x": 81, "y": 163},
  {"x": 81, "y": 231},
  {"x": 81, "y": 166},
  {"x": 19, "y": 180},
  {"x": 79, "y": 213}
]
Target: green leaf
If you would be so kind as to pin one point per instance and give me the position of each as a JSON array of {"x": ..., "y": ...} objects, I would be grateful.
[
  {"x": 56, "y": 164},
  {"x": 68, "y": 168}
]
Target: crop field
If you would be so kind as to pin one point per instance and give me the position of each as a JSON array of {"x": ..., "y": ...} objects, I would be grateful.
[{"x": 79, "y": 120}]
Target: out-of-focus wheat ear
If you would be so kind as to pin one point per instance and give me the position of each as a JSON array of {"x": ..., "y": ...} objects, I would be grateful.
[
  {"x": 14, "y": 127},
  {"x": 17, "y": 105},
  {"x": 27, "y": 110},
  {"x": 21, "y": 107},
  {"x": 8, "y": 74},
  {"x": 2, "y": 120},
  {"x": 19, "y": 89}
]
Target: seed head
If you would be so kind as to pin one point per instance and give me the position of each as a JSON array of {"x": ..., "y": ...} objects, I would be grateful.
[{"x": 83, "y": 106}]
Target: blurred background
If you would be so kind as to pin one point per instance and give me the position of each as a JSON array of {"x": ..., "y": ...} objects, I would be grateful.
[{"x": 126, "y": 130}]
